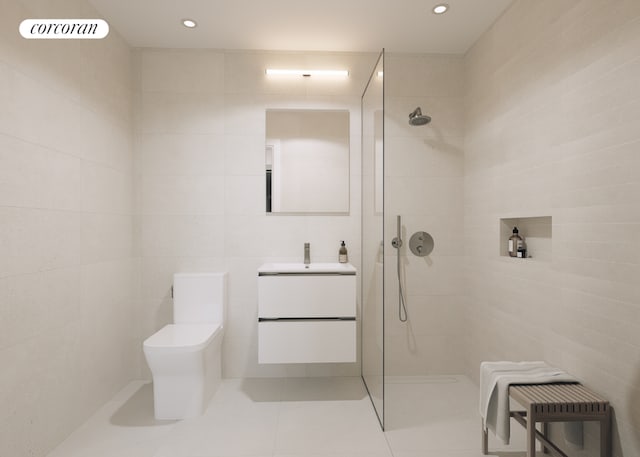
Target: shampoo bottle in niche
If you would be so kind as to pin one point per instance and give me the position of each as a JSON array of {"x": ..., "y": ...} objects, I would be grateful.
[
  {"x": 515, "y": 242},
  {"x": 342, "y": 254}
]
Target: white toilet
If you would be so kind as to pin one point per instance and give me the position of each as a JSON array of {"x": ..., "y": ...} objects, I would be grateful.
[{"x": 185, "y": 357}]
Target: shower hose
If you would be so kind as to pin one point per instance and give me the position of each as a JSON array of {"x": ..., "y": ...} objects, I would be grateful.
[
  {"x": 402, "y": 309},
  {"x": 397, "y": 243}
]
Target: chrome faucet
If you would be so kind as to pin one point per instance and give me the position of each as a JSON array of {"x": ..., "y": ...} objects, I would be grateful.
[{"x": 307, "y": 253}]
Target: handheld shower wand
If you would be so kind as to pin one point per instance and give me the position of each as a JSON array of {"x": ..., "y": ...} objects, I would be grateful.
[{"x": 397, "y": 243}]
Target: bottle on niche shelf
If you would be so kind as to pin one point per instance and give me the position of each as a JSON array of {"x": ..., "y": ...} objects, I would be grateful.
[
  {"x": 522, "y": 252},
  {"x": 516, "y": 247}
]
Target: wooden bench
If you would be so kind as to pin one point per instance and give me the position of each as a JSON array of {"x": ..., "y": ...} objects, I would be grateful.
[{"x": 565, "y": 402}]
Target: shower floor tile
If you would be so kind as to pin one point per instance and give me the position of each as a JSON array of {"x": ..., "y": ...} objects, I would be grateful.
[
  {"x": 438, "y": 415},
  {"x": 294, "y": 417}
]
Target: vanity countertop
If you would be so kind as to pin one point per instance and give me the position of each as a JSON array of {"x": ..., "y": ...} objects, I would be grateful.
[{"x": 301, "y": 268}]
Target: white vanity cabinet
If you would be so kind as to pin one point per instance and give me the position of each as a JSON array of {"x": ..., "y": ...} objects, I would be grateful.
[{"x": 306, "y": 314}]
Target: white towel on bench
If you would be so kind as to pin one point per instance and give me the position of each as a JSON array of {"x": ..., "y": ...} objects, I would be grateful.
[{"x": 495, "y": 378}]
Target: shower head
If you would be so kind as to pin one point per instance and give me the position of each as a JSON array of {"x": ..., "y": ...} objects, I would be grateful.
[{"x": 417, "y": 118}]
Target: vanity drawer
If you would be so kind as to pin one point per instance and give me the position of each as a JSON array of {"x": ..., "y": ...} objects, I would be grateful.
[
  {"x": 307, "y": 296},
  {"x": 306, "y": 341}
]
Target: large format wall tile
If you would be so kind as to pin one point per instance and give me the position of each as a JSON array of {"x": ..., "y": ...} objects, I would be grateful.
[
  {"x": 552, "y": 130},
  {"x": 66, "y": 228}
]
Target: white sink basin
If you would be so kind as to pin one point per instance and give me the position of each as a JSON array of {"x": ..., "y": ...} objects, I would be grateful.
[{"x": 312, "y": 268}]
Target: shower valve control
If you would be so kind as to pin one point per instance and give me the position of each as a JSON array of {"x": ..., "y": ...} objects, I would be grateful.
[{"x": 421, "y": 244}]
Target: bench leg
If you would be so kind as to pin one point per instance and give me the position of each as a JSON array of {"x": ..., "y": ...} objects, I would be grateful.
[
  {"x": 485, "y": 440},
  {"x": 545, "y": 432},
  {"x": 531, "y": 433},
  {"x": 605, "y": 436}
]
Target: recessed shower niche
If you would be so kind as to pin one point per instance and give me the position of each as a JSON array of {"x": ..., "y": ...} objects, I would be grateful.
[
  {"x": 537, "y": 234},
  {"x": 307, "y": 161}
]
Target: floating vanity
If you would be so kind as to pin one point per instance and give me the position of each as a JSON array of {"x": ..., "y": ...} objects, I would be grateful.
[{"x": 306, "y": 313}]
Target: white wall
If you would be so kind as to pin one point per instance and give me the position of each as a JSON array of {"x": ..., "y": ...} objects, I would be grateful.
[
  {"x": 552, "y": 129},
  {"x": 200, "y": 145},
  {"x": 423, "y": 183},
  {"x": 66, "y": 237}
]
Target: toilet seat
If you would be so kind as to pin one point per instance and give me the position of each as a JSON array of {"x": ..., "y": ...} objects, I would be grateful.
[{"x": 182, "y": 337}]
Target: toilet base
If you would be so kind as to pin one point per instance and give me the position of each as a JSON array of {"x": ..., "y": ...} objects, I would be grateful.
[{"x": 185, "y": 391}]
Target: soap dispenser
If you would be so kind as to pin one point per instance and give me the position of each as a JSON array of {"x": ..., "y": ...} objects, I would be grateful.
[
  {"x": 342, "y": 254},
  {"x": 515, "y": 243}
]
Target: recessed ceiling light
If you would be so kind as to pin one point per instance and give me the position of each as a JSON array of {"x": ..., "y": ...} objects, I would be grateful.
[
  {"x": 441, "y": 8},
  {"x": 189, "y": 23}
]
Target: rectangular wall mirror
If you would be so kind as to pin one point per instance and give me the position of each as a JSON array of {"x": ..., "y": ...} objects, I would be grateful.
[{"x": 307, "y": 161}]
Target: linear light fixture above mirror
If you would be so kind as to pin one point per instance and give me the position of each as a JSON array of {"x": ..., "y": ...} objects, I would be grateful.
[{"x": 307, "y": 73}]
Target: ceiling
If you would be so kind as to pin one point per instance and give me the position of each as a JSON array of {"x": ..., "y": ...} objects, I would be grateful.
[{"x": 303, "y": 25}]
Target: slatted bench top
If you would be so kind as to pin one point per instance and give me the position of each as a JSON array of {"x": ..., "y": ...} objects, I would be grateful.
[
  {"x": 556, "y": 402},
  {"x": 559, "y": 399}
]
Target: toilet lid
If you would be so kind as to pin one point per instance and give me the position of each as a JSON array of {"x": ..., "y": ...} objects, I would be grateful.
[{"x": 192, "y": 336}]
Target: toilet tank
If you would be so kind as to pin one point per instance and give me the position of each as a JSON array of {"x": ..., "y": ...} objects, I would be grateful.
[{"x": 199, "y": 298}]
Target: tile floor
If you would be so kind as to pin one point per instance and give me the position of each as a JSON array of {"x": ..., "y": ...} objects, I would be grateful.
[{"x": 301, "y": 417}]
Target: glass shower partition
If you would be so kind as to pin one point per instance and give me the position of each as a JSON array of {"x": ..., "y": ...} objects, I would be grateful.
[{"x": 372, "y": 318}]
